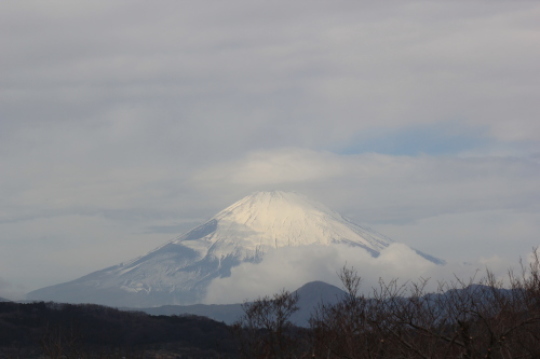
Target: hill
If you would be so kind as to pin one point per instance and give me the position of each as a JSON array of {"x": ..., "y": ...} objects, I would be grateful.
[{"x": 66, "y": 330}]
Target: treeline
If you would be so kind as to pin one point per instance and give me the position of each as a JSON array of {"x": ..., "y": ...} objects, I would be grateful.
[
  {"x": 471, "y": 320},
  {"x": 474, "y": 319},
  {"x": 51, "y": 330}
]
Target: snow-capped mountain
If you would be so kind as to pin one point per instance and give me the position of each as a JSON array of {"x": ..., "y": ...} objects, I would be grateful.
[{"x": 180, "y": 271}]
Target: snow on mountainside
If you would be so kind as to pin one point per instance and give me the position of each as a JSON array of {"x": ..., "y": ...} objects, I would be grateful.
[
  {"x": 276, "y": 219},
  {"x": 180, "y": 271}
]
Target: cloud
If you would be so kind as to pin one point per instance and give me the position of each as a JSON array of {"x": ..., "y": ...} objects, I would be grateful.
[
  {"x": 323, "y": 76},
  {"x": 398, "y": 115},
  {"x": 457, "y": 208},
  {"x": 433, "y": 139},
  {"x": 385, "y": 188},
  {"x": 290, "y": 268},
  {"x": 466, "y": 235},
  {"x": 279, "y": 167},
  {"x": 451, "y": 206}
]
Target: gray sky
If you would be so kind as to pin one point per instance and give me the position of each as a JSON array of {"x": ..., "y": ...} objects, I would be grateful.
[{"x": 125, "y": 123}]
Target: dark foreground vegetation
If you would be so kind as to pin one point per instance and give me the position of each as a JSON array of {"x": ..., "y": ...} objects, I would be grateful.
[
  {"x": 471, "y": 320},
  {"x": 51, "y": 330}
]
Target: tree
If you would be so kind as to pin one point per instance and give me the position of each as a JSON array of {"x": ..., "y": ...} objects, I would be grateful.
[
  {"x": 265, "y": 330},
  {"x": 464, "y": 319}
]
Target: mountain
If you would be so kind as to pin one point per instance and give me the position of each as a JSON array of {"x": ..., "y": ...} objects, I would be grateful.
[
  {"x": 181, "y": 271},
  {"x": 310, "y": 295}
]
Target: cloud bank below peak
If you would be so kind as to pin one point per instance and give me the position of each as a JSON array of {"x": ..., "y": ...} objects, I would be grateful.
[{"x": 290, "y": 268}]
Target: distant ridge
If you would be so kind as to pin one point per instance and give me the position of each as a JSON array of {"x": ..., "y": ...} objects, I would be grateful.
[{"x": 310, "y": 295}]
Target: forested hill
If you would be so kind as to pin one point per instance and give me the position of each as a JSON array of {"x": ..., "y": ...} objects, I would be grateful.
[{"x": 65, "y": 330}]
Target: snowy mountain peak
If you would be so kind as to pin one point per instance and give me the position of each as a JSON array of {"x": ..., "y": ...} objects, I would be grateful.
[
  {"x": 266, "y": 220},
  {"x": 267, "y": 208}
]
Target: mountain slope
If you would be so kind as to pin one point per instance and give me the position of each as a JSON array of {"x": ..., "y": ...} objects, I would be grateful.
[
  {"x": 310, "y": 296},
  {"x": 180, "y": 271}
]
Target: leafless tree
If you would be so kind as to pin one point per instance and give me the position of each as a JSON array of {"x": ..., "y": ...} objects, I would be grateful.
[
  {"x": 60, "y": 341},
  {"x": 265, "y": 330},
  {"x": 463, "y": 319}
]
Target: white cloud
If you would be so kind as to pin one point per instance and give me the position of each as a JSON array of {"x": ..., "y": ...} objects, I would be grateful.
[
  {"x": 279, "y": 167},
  {"x": 290, "y": 268},
  {"x": 379, "y": 188}
]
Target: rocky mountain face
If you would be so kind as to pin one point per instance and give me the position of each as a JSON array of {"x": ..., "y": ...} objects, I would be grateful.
[{"x": 179, "y": 272}]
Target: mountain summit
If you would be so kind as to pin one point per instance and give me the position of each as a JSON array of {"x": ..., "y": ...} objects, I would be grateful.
[
  {"x": 180, "y": 271},
  {"x": 276, "y": 219}
]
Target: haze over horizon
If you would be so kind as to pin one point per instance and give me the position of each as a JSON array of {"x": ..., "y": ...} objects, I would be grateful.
[{"x": 125, "y": 124}]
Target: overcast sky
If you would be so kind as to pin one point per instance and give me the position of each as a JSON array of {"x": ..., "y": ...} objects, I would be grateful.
[{"x": 125, "y": 123}]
